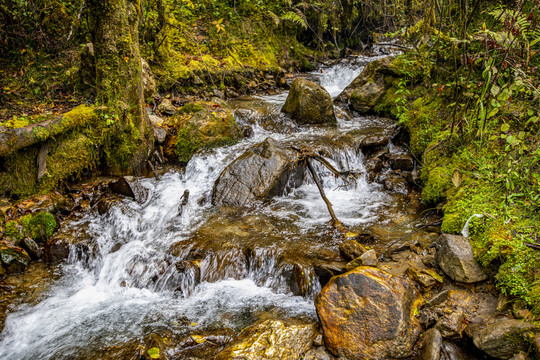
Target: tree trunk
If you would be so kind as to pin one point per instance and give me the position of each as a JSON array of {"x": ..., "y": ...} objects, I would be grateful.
[{"x": 119, "y": 82}]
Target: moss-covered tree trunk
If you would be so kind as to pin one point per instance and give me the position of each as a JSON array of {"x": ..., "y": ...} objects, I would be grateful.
[{"x": 119, "y": 82}]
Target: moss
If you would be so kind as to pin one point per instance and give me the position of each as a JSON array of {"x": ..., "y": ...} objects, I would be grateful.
[
  {"x": 12, "y": 230},
  {"x": 188, "y": 142},
  {"x": 40, "y": 227},
  {"x": 190, "y": 108}
]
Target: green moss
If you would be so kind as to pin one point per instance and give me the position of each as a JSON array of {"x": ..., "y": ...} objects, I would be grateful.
[
  {"x": 190, "y": 108},
  {"x": 12, "y": 230},
  {"x": 40, "y": 227},
  {"x": 188, "y": 142}
]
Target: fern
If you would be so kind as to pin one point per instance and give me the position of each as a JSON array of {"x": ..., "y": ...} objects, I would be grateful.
[
  {"x": 274, "y": 18},
  {"x": 296, "y": 17},
  {"x": 527, "y": 32}
]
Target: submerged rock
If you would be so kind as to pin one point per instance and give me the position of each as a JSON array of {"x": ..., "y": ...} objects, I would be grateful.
[
  {"x": 309, "y": 103},
  {"x": 368, "y": 313},
  {"x": 455, "y": 257},
  {"x": 504, "y": 338},
  {"x": 262, "y": 172},
  {"x": 271, "y": 340}
]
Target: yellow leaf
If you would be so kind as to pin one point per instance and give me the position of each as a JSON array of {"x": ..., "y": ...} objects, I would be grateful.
[
  {"x": 198, "y": 339},
  {"x": 351, "y": 235}
]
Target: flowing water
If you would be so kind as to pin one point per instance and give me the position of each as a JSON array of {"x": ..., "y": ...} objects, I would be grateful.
[{"x": 154, "y": 267}]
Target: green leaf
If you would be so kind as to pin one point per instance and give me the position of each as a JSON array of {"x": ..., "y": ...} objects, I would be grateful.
[
  {"x": 505, "y": 127},
  {"x": 154, "y": 353},
  {"x": 457, "y": 177}
]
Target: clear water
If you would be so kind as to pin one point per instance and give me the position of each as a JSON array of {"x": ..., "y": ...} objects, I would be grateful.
[{"x": 117, "y": 294}]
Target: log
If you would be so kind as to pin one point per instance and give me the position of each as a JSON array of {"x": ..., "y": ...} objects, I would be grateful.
[{"x": 15, "y": 139}]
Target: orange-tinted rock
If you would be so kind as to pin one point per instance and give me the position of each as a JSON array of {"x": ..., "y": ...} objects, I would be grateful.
[{"x": 368, "y": 314}]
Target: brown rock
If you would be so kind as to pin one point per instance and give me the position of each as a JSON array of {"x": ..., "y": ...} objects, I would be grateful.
[
  {"x": 309, "y": 103},
  {"x": 368, "y": 313},
  {"x": 431, "y": 345},
  {"x": 403, "y": 162},
  {"x": 351, "y": 249},
  {"x": 271, "y": 340},
  {"x": 455, "y": 257}
]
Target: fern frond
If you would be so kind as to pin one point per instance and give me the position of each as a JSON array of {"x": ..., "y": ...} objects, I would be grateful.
[
  {"x": 295, "y": 18},
  {"x": 274, "y": 18}
]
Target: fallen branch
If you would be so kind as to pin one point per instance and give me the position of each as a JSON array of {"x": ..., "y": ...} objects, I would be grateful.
[
  {"x": 335, "y": 221},
  {"x": 532, "y": 246}
]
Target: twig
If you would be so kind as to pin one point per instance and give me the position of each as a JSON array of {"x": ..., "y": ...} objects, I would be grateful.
[
  {"x": 76, "y": 22},
  {"x": 531, "y": 245}
]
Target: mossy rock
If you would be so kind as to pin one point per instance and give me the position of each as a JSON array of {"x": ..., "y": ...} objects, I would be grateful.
[
  {"x": 202, "y": 125},
  {"x": 39, "y": 227},
  {"x": 14, "y": 260},
  {"x": 309, "y": 103}
]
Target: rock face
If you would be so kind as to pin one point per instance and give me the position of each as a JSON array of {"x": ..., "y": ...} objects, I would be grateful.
[
  {"x": 368, "y": 313},
  {"x": 271, "y": 340},
  {"x": 504, "y": 338},
  {"x": 309, "y": 103},
  {"x": 455, "y": 257},
  {"x": 262, "y": 172}
]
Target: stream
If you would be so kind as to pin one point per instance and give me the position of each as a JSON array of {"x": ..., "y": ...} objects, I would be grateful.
[{"x": 153, "y": 267}]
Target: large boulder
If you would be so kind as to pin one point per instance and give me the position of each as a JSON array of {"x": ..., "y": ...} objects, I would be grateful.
[
  {"x": 368, "y": 87},
  {"x": 263, "y": 171},
  {"x": 368, "y": 313},
  {"x": 309, "y": 103},
  {"x": 271, "y": 340},
  {"x": 504, "y": 338},
  {"x": 200, "y": 125},
  {"x": 456, "y": 258}
]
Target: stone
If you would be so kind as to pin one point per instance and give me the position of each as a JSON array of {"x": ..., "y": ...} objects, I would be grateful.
[
  {"x": 351, "y": 249},
  {"x": 309, "y": 103},
  {"x": 422, "y": 278},
  {"x": 368, "y": 314},
  {"x": 167, "y": 108},
  {"x": 157, "y": 120},
  {"x": 372, "y": 143},
  {"x": 58, "y": 247},
  {"x": 364, "y": 98},
  {"x": 520, "y": 356},
  {"x": 317, "y": 354},
  {"x": 149, "y": 82},
  {"x": 159, "y": 134},
  {"x": 455, "y": 257},
  {"x": 504, "y": 338},
  {"x": 262, "y": 172},
  {"x": 431, "y": 345},
  {"x": 403, "y": 162},
  {"x": 369, "y": 258},
  {"x": 271, "y": 340},
  {"x": 453, "y": 351},
  {"x": 122, "y": 187},
  {"x": 14, "y": 260},
  {"x": 32, "y": 248}
]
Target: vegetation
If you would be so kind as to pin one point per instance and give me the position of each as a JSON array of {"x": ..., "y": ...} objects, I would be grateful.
[{"x": 469, "y": 94}]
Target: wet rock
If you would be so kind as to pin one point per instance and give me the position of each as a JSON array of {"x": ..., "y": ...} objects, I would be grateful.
[
  {"x": 431, "y": 345},
  {"x": 423, "y": 278},
  {"x": 149, "y": 83},
  {"x": 159, "y": 134},
  {"x": 167, "y": 108},
  {"x": 395, "y": 183},
  {"x": 455, "y": 257},
  {"x": 374, "y": 166},
  {"x": 453, "y": 351},
  {"x": 369, "y": 258},
  {"x": 32, "y": 248},
  {"x": 14, "y": 260},
  {"x": 380, "y": 325},
  {"x": 317, "y": 354},
  {"x": 364, "y": 98},
  {"x": 351, "y": 249},
  {"x": 122, "y": 187},
  {"x": 201, "y": 125},
  {"x": 504, "y": 338},
  {"x": 372, "y": 143},
  {"x": 57, "y": 248},
  {"x": 309, "y": 103},
  {"x": 403, "y": 162},
  {"x": 247, "y": 131},
  {"x": 271, "y": 340},
  {"x": 262, "y": 172}
]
